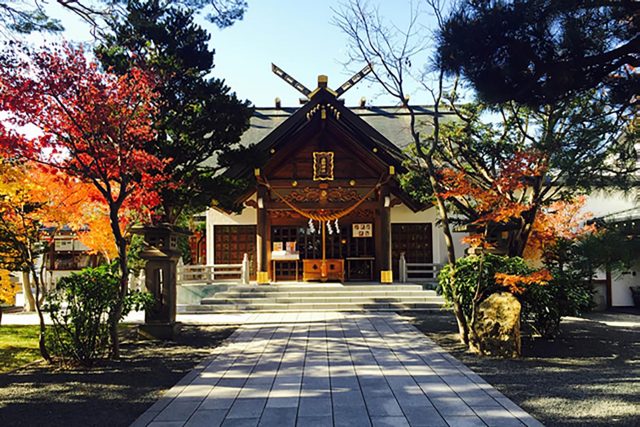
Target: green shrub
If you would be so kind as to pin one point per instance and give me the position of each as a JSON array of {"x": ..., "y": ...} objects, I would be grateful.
[
  {"x": 543, "y": 305},
  {"x": 473, "y": 279},
  {"x": 81, "y": 309},
  {"x": 566, "y": 295}
]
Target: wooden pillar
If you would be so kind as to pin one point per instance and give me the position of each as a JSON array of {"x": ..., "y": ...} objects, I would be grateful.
[
  {"x": 262, "y": 238},
  {"x": 386, "y": 273},
  {"x": 609, "y": 286}
]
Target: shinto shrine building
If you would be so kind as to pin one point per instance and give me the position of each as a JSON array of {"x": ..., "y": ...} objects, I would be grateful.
[{"x": 326, "y": 203}]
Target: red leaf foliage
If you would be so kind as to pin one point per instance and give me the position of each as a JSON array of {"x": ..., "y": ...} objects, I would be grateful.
[
  {"x": 499, "y": 199},
  {"x": 517, "y": 283},
  {"x": 60, "y": 109}
]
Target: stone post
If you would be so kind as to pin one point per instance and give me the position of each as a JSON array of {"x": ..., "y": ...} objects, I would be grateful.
[
  {"x": 402, "y": 268},
  {"x": 245, "y": 270}
]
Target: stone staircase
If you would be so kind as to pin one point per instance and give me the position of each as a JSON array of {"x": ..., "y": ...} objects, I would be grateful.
[{"x": 317, "y": 297}]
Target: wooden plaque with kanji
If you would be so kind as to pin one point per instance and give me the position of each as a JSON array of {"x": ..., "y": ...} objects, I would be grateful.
[{"x": 323, "y": 165}]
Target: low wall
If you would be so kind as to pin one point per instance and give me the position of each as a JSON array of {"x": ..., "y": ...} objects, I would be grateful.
[{"x": 193, "y": 294}]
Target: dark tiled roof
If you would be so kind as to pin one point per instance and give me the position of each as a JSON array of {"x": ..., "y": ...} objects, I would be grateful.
[{"x": 393, "y": 122}]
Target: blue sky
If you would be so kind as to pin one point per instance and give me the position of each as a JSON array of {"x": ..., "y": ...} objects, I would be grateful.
[{"x": 297, "y": 35}]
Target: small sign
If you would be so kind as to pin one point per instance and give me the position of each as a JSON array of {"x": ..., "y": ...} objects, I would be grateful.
[
  {"x": 277, "y": 246},
  {"x": 323, "y": 165},
  {"x": 291, "y": 247},
  {"x": 63, "y": 245},
  {"x": 363, "y": 230}
]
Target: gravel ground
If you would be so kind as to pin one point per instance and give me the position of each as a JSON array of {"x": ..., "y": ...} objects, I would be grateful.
[
  {"x": 114, "y": 393},
  {"x": 588, "y": 376}
]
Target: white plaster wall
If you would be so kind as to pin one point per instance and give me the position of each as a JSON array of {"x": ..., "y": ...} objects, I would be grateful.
[
  {"x": 248, "y": 216},
  {"x": 402, "y": 214},
  {"x": 601, "y": 203},
  {"x": 620, "y": 283}
]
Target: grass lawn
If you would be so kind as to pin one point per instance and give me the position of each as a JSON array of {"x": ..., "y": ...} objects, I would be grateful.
[
  {"x": 18, "y": 346},
  {"x": 111, "y": 393}
]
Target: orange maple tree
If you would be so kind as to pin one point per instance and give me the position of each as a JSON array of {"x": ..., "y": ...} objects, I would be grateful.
[
  {"x": 93, "y": 125},
  {"x": 504, "y": 201},
  {"x": 69, "y": 202},
  {"x": 563, "y": 219},
  {"x": 516, "y": 283}
]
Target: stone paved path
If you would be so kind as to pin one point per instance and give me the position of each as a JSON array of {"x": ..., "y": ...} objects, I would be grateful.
[{"x": 332, "y": 369}]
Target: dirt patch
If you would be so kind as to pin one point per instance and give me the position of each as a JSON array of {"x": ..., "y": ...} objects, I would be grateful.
[
  {"x": 589, "y": 375},
  {"x": 114, "y": 393}
]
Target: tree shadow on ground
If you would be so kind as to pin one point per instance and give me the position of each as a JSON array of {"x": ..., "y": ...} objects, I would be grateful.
[
  {"x": 111, "y": 393},
  {"x": 588, "y": 375}
]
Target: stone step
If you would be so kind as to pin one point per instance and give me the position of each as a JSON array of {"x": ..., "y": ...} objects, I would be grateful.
[
  {"x": 336, "y": 294},
  {"x": 323, "y": 288},
  {"x": 227, "y": 308},
  {"x": 218, "y": 299}
]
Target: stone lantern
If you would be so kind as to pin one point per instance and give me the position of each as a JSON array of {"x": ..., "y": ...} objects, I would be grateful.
[{"x": 161, "y": 253}]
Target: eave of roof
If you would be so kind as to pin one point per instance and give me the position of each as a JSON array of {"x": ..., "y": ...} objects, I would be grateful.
[{"x": 287, "y": 121}]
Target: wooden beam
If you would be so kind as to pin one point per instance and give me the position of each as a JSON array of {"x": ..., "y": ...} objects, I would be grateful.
[
  {"x": 262, "y": 238},
  {"x": 353, "y": 80},
  {"x": 290, "y": 80},
  {"x": 386, "y": 275},
  {"x": 275, "y": 205}
]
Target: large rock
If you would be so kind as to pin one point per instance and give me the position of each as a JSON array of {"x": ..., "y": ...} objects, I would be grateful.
[{"x": 496, "y": 327}]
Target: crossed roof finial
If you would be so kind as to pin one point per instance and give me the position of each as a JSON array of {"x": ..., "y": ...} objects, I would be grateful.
[{"x": 322, "y": 80}]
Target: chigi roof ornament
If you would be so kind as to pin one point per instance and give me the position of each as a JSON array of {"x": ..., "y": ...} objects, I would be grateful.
[{"x": 322, "y": 81}]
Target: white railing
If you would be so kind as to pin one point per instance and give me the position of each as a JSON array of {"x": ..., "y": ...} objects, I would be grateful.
[
  {"x": 418, "y": 271},
  {"x": 191, "y": 274}
]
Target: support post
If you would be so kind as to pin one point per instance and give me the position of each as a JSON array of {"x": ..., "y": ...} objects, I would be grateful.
[
  {"x": 263, "y": 262},
  {"x": 386, "y": 274},
  {"x": 323, "y": 264},
  {"x": 609, "y": 290}
]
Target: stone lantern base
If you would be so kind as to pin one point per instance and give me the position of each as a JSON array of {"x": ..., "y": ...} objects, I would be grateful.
[{"x": 159, "y": 331}]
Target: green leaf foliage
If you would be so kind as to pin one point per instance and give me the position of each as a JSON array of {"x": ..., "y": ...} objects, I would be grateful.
[
  {"x": 81, "y": 309},
  {"x": 568, "y": 294},
  {"x": 24, "y": 17},
  {"x": 539, "y": 51},
  {"x": 472, "y": 279},
  {"x": 199, "y": 120},
  {"x": 28, "y": 16}
]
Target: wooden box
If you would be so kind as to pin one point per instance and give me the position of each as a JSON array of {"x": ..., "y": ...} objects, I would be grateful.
[{"x": 312, "y": 270}]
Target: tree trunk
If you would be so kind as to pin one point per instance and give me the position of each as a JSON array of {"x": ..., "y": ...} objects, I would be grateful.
[
  {"x": 41, "y": 339},
  {"x": 463, "y": 326},
  {"x": 29, "y": 300},
  {"x": 116, "y": 314}
]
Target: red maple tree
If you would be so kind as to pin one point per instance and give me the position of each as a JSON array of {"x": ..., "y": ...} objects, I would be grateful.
[
  {"x": 61, "y": 110},
  {"x": 507, "y": 201}
]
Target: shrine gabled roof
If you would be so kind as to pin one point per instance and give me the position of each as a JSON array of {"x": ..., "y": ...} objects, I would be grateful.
[
  {"x": 386, "y": 127},
  {"x": 393, "y": 122},
  {"x": 384, "y": 131}
]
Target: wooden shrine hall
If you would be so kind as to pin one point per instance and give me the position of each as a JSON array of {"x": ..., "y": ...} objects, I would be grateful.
[{"x": 325, "y": 203}]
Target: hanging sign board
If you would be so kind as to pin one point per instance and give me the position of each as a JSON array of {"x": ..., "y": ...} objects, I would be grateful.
[
  {"x": 63, "y": 244},
  {"x": 323, "y": 165},
  {"x": 363, "y": 230}
]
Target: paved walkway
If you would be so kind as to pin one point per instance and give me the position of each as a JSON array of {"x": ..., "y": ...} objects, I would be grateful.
[{"x": 332, "y": 369}]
